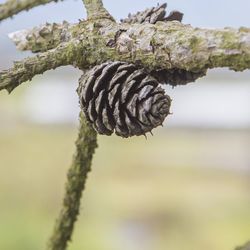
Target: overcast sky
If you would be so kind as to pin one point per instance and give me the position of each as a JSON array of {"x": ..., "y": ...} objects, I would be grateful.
[{"x": 212, "y": 13}]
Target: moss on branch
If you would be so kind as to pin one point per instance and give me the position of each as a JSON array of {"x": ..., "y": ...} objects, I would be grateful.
[
  {"x": 42, "y": 38},
  {"x": 12, "y": 7},
  {"x": 163, "y": 45},
  {"x": 96, "y": 10},
  {"x": 170, "y": 45},
  {"x": 28, "y": 68},
  {"x": 76, "y": 179}
]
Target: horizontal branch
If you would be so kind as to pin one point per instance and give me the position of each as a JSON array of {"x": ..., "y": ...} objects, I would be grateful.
[
  {"x": 161, "y": 46},
  {"x": 28, "y": 68},
  {"x": 12, "y": 7},
  {"x": 76, "y": 179},
  {"x": 42, "y": 38}
]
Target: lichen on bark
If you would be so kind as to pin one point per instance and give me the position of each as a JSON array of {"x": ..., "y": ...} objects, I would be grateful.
[
  {"x": 86, "y": 144},
  {"x": 173, "y": 51},
  {"x": 164, "y": 45},
  {"x": 12, "y": 7}
]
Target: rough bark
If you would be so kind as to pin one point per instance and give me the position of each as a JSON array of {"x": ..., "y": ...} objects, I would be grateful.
[
  {"x": 158, "y": 46},
  {"x": 170, "y": 45},
  {"x": 12, "y": 7},
  {"x": 25, "y": 70},
  {"x": 76, "y": 179},
  {"x": 42, "y": 38},
  {"x": 96, "y": 10}
]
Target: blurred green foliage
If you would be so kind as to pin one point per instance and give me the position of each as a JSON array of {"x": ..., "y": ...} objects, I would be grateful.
[{"x": 166, "y": 192}]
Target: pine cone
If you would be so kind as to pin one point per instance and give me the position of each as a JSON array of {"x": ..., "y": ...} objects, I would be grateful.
[
  {"x": 176, "y": 77},
  {"x": 172, "y": 77},
  {"x": 120, "y": 97},
  {"x": 153, "y": 15}
]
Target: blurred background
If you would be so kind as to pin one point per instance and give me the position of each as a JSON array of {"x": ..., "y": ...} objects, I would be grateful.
[{"x": 186, "y": 187}]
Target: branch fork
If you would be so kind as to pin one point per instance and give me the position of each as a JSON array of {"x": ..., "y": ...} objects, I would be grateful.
[{"x": 166, "y": 49}]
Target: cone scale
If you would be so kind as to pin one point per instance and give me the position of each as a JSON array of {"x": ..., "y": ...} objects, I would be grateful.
[{"x": 121, "y": 98}]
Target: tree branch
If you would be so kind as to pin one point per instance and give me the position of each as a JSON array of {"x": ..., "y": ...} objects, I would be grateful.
[
  {"x": 28, "y": 68},
  {"x": 174, "y": 45},
  {"x": 12, "y": 7},
  {"x": 167, "y": 45},
  {"x": 77, "y": 175},
  {"x": 245, "y": 247},
  {"x": 96, "y": 10},
  {"x": 161, "y": 46},
  {"x": 170, "y": 46},
  {"x": 43, "y": 38}
]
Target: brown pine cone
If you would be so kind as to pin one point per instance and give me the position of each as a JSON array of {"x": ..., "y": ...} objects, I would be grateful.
[
  {"x": 122, "y": 98},
  {"x": 176, "y": 77},
  {"x": 153, "y": 15},
  {"x": 172, "y": 77}
]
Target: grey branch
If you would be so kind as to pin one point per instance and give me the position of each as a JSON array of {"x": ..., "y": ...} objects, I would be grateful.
[
  {"x": 164, "y": 45},
  {"x": 174, "y": 45},
  {"x": 12, "y": 7},
  {"x": 96, "y": 10},
  {"x": 28, "y": 68},
  {"x": 153, "y": 46},
  {"x": 42, "y": 38},
  {"x": 76, "y": 179}
]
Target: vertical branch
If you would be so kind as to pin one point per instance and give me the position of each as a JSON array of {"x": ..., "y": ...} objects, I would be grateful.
[
  {"x": 95, "y": 9},
  {"x": 77, "y": 175}
]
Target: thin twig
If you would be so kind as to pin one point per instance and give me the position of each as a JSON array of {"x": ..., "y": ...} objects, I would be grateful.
[
  {"x": 28, "y": 68},
  {"x": 170, "y": 45},
  {"x": 96, "y": 10},
  {"x": 12, "y": 7},
  {"x": 44, "y": 37},
  {"x": 77, "y": 175}
]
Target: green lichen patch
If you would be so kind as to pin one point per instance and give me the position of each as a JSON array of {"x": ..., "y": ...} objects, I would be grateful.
[
  {"x": 195, "y": 43},
  {"x": 229, "y": 40}
]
